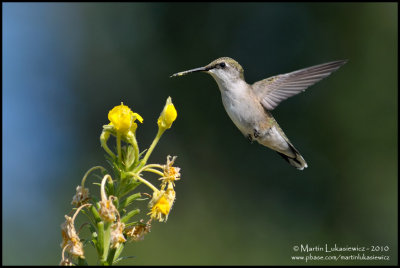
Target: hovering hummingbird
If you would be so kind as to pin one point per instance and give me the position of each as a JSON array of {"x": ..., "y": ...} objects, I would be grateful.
[{"x": 249, "y": 106}]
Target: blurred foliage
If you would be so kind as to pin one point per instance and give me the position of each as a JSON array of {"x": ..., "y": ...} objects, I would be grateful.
[{"x": 66, "y": 65}]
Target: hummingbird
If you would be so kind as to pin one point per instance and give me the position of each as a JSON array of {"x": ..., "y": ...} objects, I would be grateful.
[{"x": 249, "y": 105}]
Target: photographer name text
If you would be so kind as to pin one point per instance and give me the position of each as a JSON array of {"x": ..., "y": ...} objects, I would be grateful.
[{"x": 338, "y": 248}]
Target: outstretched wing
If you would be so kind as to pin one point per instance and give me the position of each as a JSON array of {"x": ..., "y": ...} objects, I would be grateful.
[{"x": 275, "y": 89}]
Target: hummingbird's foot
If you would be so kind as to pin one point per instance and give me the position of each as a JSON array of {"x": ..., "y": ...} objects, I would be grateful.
[
  {"x": 250, "y": 138},
  {"x": 256, "y": 134}
]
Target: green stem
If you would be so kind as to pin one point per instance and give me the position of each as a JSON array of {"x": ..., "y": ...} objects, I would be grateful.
[
  {"x": 106, "y": 245},
  {"x": 119, "y": 147},
  {"x": 155, "y": 141},
  {"x": 100, "y": 238},
  {"x": 77, "y": 211},
  {"x": 150, "y": 166},
  {"x": 136, "y": 148},
  {"x": 154, "y": 171},
  {"x": 87, "y": 174},
  {"x": 144, "y": 181},
  {"x": 103, "y": 140},
  {"x": 102, "y": 189}
]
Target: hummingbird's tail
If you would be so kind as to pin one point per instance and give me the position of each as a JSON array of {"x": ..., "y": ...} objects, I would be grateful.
[{"x": 297, "y": 161}]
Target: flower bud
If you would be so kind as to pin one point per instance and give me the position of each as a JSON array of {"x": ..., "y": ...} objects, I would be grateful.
[{"x": 168, "y": 115}]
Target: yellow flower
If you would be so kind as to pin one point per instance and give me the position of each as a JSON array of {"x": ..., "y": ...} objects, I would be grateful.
[
  {"x": 161, "y": 204},
  {"x": 123, "y": 119},
  {"x": 168, "y": 115}
]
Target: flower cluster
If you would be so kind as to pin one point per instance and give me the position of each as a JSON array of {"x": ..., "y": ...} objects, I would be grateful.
[
  {"x": 162, "y": 200},
  {"x": 110, "y": 217}
]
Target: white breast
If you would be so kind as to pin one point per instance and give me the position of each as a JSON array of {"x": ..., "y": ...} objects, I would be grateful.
[{"x": 240, "y": 109}]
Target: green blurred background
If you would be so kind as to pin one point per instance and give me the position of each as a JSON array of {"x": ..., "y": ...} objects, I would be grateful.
[{"x": 66, "y": 65}]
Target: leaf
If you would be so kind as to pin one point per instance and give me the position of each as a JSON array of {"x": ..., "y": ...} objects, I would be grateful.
[
  {"x": 130, "y": 187},
  {"x": 123, "y": 258},
  {"x": 95, "y": 214},
  {"x": 129, "y": 215},
  {"x": 127, "y": 201}
]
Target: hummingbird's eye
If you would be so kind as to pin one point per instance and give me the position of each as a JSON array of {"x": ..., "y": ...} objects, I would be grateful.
[{"x": 222, "y": 64}]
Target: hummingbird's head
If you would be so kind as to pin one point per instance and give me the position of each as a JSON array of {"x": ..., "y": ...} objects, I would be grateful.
[{"x": 223, "y": 70}]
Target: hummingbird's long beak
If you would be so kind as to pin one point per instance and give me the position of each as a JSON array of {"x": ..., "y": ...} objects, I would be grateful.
[{"x": 200, "y": 69}]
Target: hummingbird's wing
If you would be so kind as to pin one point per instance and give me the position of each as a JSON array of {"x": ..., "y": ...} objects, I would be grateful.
[{"x": 275, "y": 89}]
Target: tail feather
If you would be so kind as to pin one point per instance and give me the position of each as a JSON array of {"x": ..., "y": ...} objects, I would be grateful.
[{"x": 297, "y": 161}]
